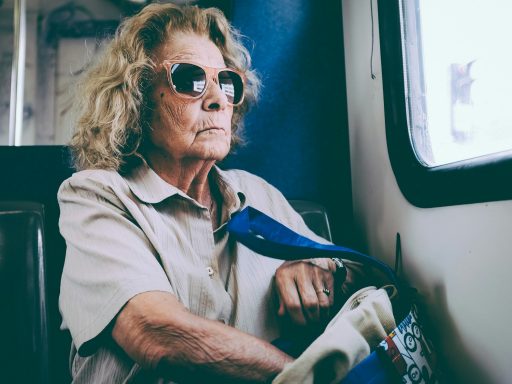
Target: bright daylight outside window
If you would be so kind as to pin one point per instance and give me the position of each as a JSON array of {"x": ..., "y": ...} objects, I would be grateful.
[{"x": 459, "y": 84}]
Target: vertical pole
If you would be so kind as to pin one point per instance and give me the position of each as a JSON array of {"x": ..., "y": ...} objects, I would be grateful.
[{"x": 18, "y": 73}]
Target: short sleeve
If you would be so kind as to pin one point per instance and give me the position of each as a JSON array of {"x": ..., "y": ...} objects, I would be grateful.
[{"x": 109, "y": 259}]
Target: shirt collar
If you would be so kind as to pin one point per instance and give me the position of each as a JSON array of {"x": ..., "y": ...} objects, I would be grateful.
[
  {"x": 152, "y": 189},
  {"x": 149, "y": 187},
  {"x": 229, "y": 187}
]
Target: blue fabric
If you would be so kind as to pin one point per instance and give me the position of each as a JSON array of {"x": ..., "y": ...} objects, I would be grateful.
[
  {"x": 268, "y": 237},
  {"x": 372, "y": 370}
]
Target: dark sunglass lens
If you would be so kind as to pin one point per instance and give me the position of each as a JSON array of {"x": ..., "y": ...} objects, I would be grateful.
[
  {"x": 232, "y": 85},
  {"x": 188, "y": 79}
]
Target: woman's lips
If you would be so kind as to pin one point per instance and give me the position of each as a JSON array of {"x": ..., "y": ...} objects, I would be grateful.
[{"x": 212, "y": 130}]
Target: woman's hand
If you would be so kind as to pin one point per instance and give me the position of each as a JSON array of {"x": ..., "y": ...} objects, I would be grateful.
[
  {"x": 306, "y": 290},
  {"x": 301, "y": 287}
]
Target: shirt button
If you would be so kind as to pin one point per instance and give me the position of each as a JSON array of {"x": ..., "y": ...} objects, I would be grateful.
[{"x": 210, "y": 271}]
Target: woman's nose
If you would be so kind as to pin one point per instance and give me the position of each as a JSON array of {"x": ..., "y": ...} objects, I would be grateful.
[{"x": 214, "y": 98}]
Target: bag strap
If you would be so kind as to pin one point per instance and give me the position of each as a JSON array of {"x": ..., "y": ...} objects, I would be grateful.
[{"x": 268, "y": 237}]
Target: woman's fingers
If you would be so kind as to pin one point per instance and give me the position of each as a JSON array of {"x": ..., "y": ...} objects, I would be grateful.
[
  {"x": 325, "y": 293},
  {"x": 305, "y": 291},
  {"x": 289, "y": 299},
  {"x": 308, "y": 296}
]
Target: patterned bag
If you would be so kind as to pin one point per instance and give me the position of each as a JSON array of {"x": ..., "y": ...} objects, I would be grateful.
[{"x": 405, "y": 356}]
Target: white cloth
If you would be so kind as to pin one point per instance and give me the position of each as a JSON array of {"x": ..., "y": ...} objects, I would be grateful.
[{"x": 364, "y": 321}]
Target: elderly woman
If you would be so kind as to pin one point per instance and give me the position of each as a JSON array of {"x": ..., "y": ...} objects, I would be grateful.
[{"x": 153, "y": 288}]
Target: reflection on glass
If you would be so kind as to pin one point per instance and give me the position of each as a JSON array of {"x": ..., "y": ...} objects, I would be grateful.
[
  {"x": 6, "y": 48},
  {"x": 63, "y": 37},
  {"x": 71, "y": 35},
  {"x": 464, "y": 71}
]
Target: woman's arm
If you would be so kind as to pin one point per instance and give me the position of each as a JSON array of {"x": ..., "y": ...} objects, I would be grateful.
[{"x": 159, "y": 333}]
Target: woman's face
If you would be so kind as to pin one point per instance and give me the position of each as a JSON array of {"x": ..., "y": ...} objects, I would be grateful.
[{"x": 185, "y": 129}]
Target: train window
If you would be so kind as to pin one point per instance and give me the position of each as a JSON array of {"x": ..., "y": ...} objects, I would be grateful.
[
  {"x": 50, "y": 42},
  {"x": 457, "y": 80},
  {"x": 446, "y": 85},
  {"x": 6, "y": 44},
  {"x": 44, "y": 48}
]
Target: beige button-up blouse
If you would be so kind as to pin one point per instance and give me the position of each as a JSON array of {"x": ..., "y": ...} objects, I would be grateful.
[{"x": 136, "y": 233}]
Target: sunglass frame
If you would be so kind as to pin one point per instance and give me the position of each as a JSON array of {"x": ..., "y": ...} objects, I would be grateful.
[{"x": 211, "y": 74}]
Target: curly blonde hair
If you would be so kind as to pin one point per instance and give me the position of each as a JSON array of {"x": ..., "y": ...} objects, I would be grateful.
[{"x": 114, "y": 96}]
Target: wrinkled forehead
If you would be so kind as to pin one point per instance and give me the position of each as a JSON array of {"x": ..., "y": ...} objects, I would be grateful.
[{"x": 190, "y": 47}]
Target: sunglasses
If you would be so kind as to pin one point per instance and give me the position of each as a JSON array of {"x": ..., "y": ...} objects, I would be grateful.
[{"x": 190, "y": 80}]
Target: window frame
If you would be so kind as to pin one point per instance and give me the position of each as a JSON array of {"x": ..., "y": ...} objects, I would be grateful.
[{"x": 464, "y": 182}]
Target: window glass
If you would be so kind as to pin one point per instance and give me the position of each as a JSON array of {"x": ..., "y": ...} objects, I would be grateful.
[
  {"x": 6, "y": 48},
  {"x": 62, "y": 38},
  {"x": 457, "y": 59}
]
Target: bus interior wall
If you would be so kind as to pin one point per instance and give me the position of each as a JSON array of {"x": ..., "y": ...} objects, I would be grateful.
[{"x": 457, "y": 256}]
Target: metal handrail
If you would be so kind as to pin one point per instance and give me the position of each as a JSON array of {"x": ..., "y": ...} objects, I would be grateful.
[{"x": 18, "y": 72}]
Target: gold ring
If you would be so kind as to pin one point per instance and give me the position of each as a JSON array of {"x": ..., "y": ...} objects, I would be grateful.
[{"x": 327, "y": 291}]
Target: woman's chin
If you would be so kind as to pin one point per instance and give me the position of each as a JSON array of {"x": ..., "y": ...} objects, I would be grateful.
[{"x": 215, "y": 152}]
